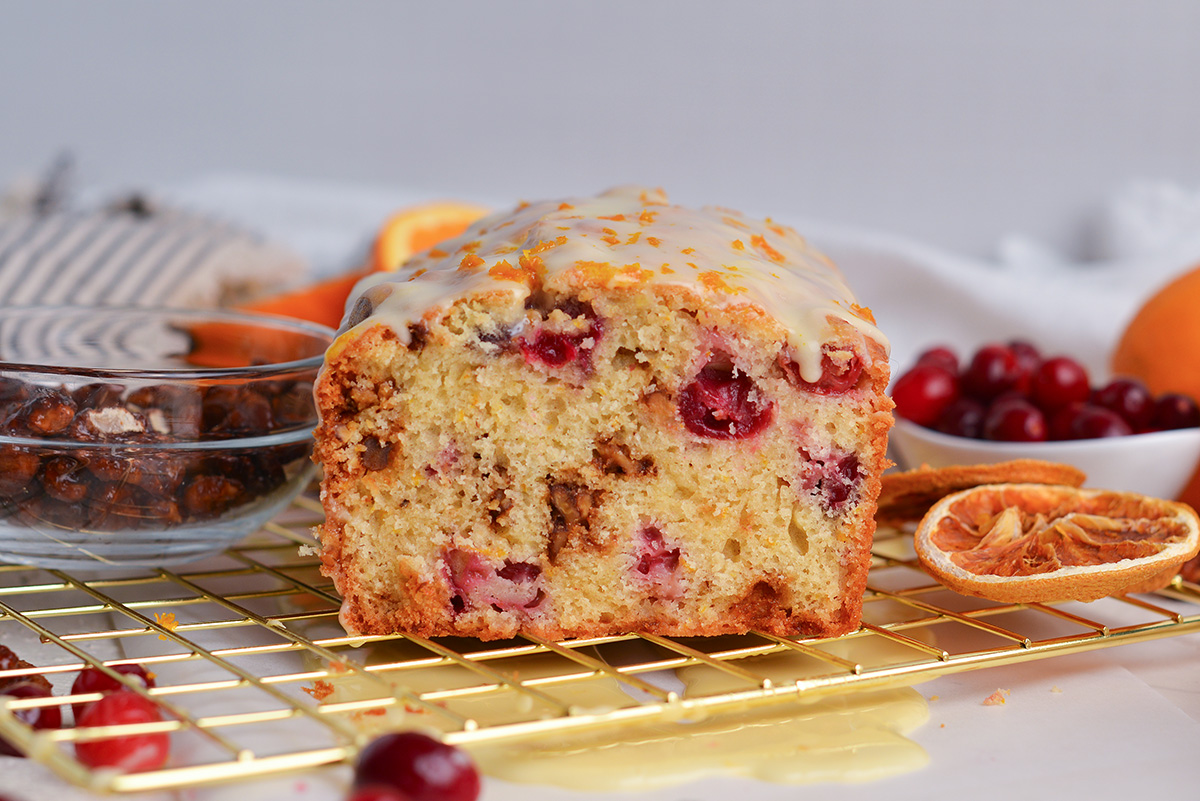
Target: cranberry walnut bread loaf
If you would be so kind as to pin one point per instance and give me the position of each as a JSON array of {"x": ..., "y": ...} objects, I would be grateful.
[{"x": 601, "y": 416}]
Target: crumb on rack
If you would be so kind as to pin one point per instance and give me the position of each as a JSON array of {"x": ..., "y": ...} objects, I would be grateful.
[
  {"x": 997, "y": 698},
  {"x": 320, "y": 690},
  {"x": 167, "y": 621}
]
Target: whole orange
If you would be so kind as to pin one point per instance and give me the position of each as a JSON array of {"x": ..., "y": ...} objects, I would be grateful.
[{"x": 1161, "y": 346}]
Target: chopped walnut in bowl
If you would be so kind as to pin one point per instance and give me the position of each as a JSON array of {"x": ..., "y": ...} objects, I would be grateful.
[{"x": 149, "y": 436}]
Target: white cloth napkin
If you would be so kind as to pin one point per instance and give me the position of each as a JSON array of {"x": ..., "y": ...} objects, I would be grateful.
[{"x": 921, "y": 296}]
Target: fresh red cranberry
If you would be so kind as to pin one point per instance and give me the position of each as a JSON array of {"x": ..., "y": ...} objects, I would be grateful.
[
  {"x": 1173, "y": 410},
  {"x": 1029, "y": 359},
  {"x": 552, "y": 350},
  {"x": 38, "y": 717},
  {"x": 837, "y": 376},
  {"x": 1059, "y": 382},
  {"x": 1085, "y": 421},
  {"x": 1026, "y": 352},
  {"x": 993, "y": 370},
  {"x": 422, "y": 768},
  {"x": 924, "y": 392},
  {"x": 1059, "y": 421},
  {"x": 131, "y": 752},
  {"x": 940, "y": 356},
  {"x": 834, "y": 479},
  {"x": 378, "y": 792},
  {"x": 1129, "y": 398},
  {"x": 724, "y": 403},
  {"x": 1014, "y": 419},
  {"x": 962, "y": 418},
  {"x": 92, "y": 680}
]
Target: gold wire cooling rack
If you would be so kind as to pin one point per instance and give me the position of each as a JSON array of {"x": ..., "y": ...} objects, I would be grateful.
[{"x": 257, "y": 678}]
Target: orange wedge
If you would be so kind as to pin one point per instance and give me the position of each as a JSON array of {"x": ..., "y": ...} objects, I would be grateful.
[
  {"x": 406, "y": 233},
  {"x": 1036, "y": 543},
  {"x": 322, "y": 302},
  {"x": 419, "y": 228}
]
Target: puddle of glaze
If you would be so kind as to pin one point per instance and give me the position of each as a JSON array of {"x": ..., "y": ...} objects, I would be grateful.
[{"x": 848, "y": 737}]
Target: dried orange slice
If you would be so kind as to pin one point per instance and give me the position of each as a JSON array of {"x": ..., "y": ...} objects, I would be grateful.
[
  {"x": 905, "y": 496},
  {"x": 1027, "y": 543},
  {"x": 419, "y": 228}
]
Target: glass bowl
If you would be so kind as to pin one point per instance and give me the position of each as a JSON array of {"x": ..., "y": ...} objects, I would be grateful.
[
  {"x": 1157, "y": 464},
  {"x": 147, "y": 437}
]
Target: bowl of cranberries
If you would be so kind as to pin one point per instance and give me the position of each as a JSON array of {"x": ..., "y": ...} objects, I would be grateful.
[
  {"x": 1011, "y": 401},
  {"x": 145, "y": 437}
]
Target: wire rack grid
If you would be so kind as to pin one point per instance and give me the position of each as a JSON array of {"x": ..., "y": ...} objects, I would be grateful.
[{"x": 256, "y": 677}]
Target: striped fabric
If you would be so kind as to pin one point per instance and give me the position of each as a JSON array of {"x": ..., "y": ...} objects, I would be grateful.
[{"x": 136, "y": 255}]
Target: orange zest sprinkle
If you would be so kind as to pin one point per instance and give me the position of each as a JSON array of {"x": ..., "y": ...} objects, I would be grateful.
[
  {"x": 504, "y": 271},
  {"x": 715, "y": 282},
  {"x": 647, "y": 216},
  {"x": 653, "y": 241},
  {"x": 614, "y": 217},
  {"x": 532, "y": 268},
  {"x": 996, "y": 699},
  {"x": 688, "y": 251},
  {"x": 606, "y": 272},
  {"x": 776, "y": 228},
  {"x": 524, "y": 204},
  {"x": 738, "y": 245},
  {"x": 633, "y": 238},
  {"x": 610, "y": 239},
  {"x": 771, "y": 253},
  {"x": 565, "y": 207},
  {"x": 470, "y": 262},
  {"x": 438, "y": 253},
  {"x": 734, "y": 221},
  {"x": 320, "y": 690},
  {"x": 469, "y": 247},
  {"x": 863, "y": 312},
  {"x": 543, "y": 246},
  {"x": 692, "y": 264},
  {"x": 666, "y": 270},
  {"x": 422, "y": 271},
  {"x": 167, "y": 621}
]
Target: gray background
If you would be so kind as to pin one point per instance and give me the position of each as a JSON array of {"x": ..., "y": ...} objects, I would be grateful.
[{"x": 952, "y": 122}]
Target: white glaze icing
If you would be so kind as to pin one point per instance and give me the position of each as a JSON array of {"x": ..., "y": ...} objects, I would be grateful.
[{"x": 629, "y": 236}]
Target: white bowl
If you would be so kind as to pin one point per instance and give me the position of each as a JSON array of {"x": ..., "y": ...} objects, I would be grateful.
[{"x": 1157, "y": 464}]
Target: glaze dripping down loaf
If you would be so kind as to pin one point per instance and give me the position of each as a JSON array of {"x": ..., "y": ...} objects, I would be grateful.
[{"x": 599, "y": 416}]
